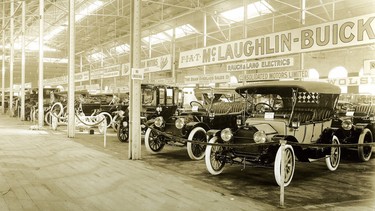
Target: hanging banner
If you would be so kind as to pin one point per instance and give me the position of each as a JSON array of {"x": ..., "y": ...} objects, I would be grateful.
[
  {"x": 157, "y": 64},
  {"x": 83, "y": 76},
  {"x": 352, "y": 81},
  {"x": 274, "y": 75},
  {"x": 344, "y": 33},
  {"x": 258, "y": 65},
  {"x": 209, "y": 78},
  {"x": 369, "y": 67},
  {"x": 55, "y": 81}
]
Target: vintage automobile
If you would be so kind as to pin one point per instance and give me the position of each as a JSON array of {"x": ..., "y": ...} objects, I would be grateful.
[
  {"x": 157, "y": 100},
  {"x": 298, "y": 112},
  {"x": 355, "y": 120},
  {"x": 219, "y": 109}
]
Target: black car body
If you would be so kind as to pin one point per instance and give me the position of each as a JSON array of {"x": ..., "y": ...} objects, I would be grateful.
[
  {"x": 355, "y": 122},
  {"x": 218, "y": 109},
  {"x": 157, "y": 100}
]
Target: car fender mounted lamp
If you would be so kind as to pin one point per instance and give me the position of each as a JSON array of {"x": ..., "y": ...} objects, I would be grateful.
[
  {"x": 347, "y": 124},
  {"x": 159, "y": 109},
  {"x": 159, "y": 122},
  {"x": 295, "y": 123}
]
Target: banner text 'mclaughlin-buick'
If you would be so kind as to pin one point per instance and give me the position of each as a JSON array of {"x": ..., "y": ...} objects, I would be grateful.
[{"x": 343, "y": 33}]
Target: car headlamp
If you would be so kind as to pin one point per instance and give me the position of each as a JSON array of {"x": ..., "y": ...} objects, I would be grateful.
[
  {"x": 226, "y": 134},
  {"x": 180, "y": 122},
  {"x": 125, "y": 123},
  {"x": 346, "y": 124},
  {"x": 159, "y": 121},
  {"x": 260, "y": 137}
]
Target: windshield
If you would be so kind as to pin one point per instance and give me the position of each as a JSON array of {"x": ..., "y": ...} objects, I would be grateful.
[{"x": 267, "y": 102}]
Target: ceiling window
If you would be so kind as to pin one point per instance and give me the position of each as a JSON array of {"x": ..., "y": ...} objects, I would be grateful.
[
  {"x": 96, "y": 56},
  {"x": 120, "y": 49},
  {"x": 167, "y": 35},
  {"x": 254, "y": 10}
]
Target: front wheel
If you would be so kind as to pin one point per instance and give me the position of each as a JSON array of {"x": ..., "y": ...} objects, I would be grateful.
[
  {"x": 289, "y": 163},
  {"x": 214, "y": 164},
  {"x": 365, "y": 152},
  {"x": 153, "y": 142},
  {"x": 333, "y": 159},
  {"x": 196, "y": 151},
  {"x": 123, "y": 131}
]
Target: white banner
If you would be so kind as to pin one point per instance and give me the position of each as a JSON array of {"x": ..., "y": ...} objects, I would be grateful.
[
  {"x": 274, "y": 75},
  {"x": 83, "y": 76},
  {"x": 369, "y": 67},
  {"x": 258, "y": 65},
  {"x": 209, "y": 78},
  {"x": 353, "y": 81},
  {"x": 157, "y": 64},
  {"x": 337, "y": 34}
]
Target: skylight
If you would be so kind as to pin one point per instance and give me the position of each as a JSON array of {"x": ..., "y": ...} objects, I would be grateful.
[
  {"x": 120, "y": 49},
  {"x": 157, "y": 38},
  {"x": 56, "y": 60},
  {"x": 88, "y": 10},
  {"x": 81, "y": 14},
  {"x": 254, "y": 10},
  {"x": 96, "y": 56}
]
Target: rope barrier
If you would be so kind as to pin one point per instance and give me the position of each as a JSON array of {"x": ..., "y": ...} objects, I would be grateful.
[{"x": 183, "y": 140}]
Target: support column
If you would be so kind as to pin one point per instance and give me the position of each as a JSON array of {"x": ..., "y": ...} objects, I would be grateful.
[
  {"x": 71, "y": 88},
  {"x": 41, "y": 70},
  {"x": 10, "y": 106},
  {"x": 3, "y": 67},
  {"x": 135, "y": 85},
  {"x": 23, "y": 62}
]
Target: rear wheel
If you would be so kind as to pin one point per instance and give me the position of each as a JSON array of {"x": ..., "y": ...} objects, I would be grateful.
[
  {"x": 333, "y": 159},
  {"x": 153, "y": 141},
  {"x": 289, "y": 162},
  {"x": 365, "y": 152},
  {"x": 214, "y": 164},
  {"x": 196, "y": 151}
]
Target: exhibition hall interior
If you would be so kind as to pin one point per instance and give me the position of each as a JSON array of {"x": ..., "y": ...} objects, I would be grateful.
[{"x": 187, "y": 105}]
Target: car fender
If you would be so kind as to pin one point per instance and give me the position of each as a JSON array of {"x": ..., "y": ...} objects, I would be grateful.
[
  {"x": 191, "y": 125},
  {"x": 213, "y": 132},
  {"x": 298, "y": 151}
]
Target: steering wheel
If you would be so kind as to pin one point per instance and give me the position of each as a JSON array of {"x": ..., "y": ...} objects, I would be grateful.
[
  {"x": 196, "y": 102},
  {"x": 261, "y": 107},
  {"x": 346, "y": 106}
]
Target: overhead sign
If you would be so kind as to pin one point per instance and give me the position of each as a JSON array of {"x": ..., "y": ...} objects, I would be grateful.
[
  {"x": 83, "y": 76},
  {"x": 337, "y": 34},
  {"x": 369, "y": 67},
  {"x": 274, "y": 75},
  {"x": 157, "y": 64},
  {"x": 353, "y": 81},
  {"x": 137, "y": 73},
  {"x": 209, "y": 78},
  {"x": 265, "y": 64}
]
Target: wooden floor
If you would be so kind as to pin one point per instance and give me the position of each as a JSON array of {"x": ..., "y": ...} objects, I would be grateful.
[{"x": 45, "y": 170}]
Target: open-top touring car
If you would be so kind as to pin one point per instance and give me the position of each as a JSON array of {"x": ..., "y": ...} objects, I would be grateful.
[
  {"x": 355, "y": 120},
  {"x": 299, "y": 112},
  {"x": 218, "y": 109}
]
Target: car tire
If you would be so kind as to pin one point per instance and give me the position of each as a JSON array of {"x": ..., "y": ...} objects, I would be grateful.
[
  {"x": 123, "y": 132},
  {"x": 365, "y": 152},
  {"x": 152, "y": 142},
  {"x": 333, "y": 159},
  {"x": 213, "y": 165},
  {"x": 197, "y": 151},
  {"x": 290, "y": 164}
]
